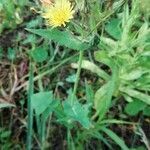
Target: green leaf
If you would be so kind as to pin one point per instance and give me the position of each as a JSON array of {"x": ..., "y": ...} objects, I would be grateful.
[
  {"x": 11, "y": 53},
  {"x": 62, "y": 117},
  {"x": 41, "y": 101},
  {"x": 102, "y": 56},
  {"x": 77, "y": 112},
  {"x": 49, "y": 109},
  {"x": 136, "y": 94},
  {"x": 71, "y": 78},
  {"x": 115, "y": 137},
  {"x": 133, "y": 108},
  {"x": 101, "y": 103},
  {"x": 93, "y": 68},
  {"x": 144, "y": 61},
  {"x": 99, "y": 136},
  {"x": 64, "y": 38},
  {"x": 89, "y": 93},
  {"x": 6, "y": 105},
  {"x": 4, "y": 133},
  {"x": 103, "y": 96},
  {"x": 133, "y": 75},
  {"x": 34, "y": 23},
  {"x": 146, "y": 111},
  {"x": 39, "y": 54},
  {"x": 115, "y": 121},
  {"x": 43, "y": 118},
  {"x": 139, "y": 148},
  {"x": 113, "y": 28},
  {"x": 30, "y": 38}
]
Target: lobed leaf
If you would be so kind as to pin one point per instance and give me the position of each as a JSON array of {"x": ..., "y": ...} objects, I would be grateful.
[{"x": 77, "y": 112}]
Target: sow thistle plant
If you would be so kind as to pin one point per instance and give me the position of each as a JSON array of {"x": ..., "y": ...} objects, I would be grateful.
[
  {"x": 113, "y": 53},
  {"x": 57, "y": 14}
]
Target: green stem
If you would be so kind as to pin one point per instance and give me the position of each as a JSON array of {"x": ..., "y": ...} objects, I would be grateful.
[
  {"x": 30, "y": 112},
  {"x": 46, "y": 72},
  {"x": 68, "y": 139},
  {"x": 77, "y": 76}
]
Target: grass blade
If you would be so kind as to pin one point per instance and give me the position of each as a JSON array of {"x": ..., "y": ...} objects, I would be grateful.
[{"x": 115, "y": 138}]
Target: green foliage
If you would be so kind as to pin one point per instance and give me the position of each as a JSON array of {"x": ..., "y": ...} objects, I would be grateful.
[
  {"x": 89, "y": 93},
  {"x": 44, "y": 104},
  {"x": 117, "y": 55},
  {"x": 112, "y": 38},
  {"x": 11, "y": 54},
  {"x": 103, "y": 96},
  {"x": 5, "y": 139},
  {"x": 116, "y": 138},
  {"x": 61, "y": 37},
  {"x": 77, "y": 112},
  {"x": 39, "y": 54},
  {"x": 136, "y": 106},
  {"x": 41, "y": 101},
  {"x": 146, "y": 111},
  {"x": 113, "y": 28},
  {"x": 133, "y": 108},
  {"x": 10, "y": 13},
  {"x": 139, "y": 148},
  {"x": 71, "y": 78},
  {"x": 122, "y": 79}
]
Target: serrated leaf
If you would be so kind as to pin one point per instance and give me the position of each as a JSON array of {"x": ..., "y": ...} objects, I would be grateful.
[
  {"x": 62, "y": 117},
  {"x": 133, "y": 108},
  {"x": 64, "y": 38},
  {"x": 77, "y": 112}
]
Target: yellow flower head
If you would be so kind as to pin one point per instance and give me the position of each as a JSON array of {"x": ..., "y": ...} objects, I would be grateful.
[{"x": 58, "y": 13}]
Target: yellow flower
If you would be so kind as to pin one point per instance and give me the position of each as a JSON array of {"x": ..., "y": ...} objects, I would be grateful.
[{"x": 58, "y": 13}]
